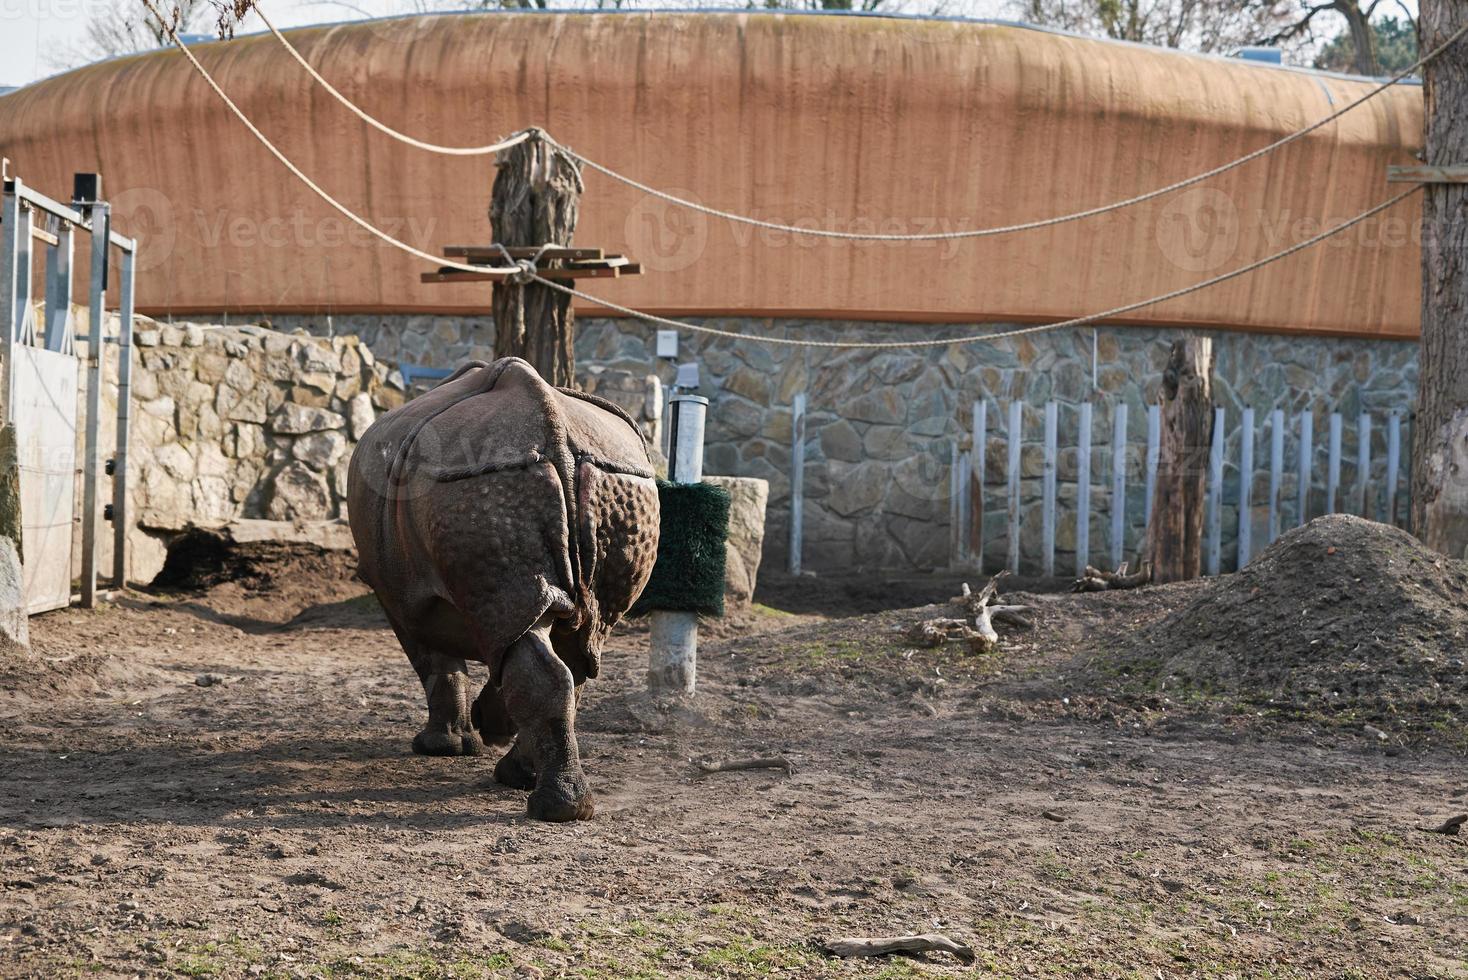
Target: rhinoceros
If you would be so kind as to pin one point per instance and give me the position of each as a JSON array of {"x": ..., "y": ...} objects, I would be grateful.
[{"x": 501, "y": 520}]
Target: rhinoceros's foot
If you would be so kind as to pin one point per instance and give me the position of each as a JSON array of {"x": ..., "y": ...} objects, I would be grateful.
[
  {"x": 554, "y": 804},
  {"x": 435, "y": 741},
  {"x": 512, "y": 771}
]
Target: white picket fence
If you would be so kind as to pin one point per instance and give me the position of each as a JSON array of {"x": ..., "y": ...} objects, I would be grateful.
[{"x": 971, "y": 496}]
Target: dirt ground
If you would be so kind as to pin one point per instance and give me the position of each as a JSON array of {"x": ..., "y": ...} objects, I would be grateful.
[{"x": 219, "y": 783}]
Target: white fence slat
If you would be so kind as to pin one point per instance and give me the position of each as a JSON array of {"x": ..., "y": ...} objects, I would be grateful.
[
  {"x": 1393, "y": 464},
  {"x": 1333, "y": 464},
  {"x": 1276, "y": 469},
  {"x": 1215, "y": 494},
  {"x": 955, "y": 504},
  {"x": 797, "y": 481},
  {"x": 980, "y": 458},
  {"x": 1083, "y": 491},
  {"x": 1363, "y": 467},
  {"x": 1118, "y": 485},
  {"x": 1154, "y": 453},
  {"x": 1016, "y": 438},
  {"x": 1246, "y": 488},
  {"x": 1307, "y": 465},
  {"x": 1047, "y": 507}
]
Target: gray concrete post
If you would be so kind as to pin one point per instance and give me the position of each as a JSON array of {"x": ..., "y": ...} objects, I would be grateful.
[{"x": 673, "y": 646}]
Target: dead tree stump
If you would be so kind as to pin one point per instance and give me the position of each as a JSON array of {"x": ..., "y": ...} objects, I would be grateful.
[
  {"x": 1175, "y": 527},
  {"x": 535, "y": 200}
]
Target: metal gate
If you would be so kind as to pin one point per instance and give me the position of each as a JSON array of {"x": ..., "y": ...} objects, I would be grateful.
[{"x": 39, "y": 386}]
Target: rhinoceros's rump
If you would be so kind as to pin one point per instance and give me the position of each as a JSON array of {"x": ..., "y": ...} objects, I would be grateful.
[{"x": 497, "y": 514}]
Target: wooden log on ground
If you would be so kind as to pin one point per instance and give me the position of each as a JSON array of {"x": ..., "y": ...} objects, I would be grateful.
[
  {"x": 885, "y": 946},
  {"x": 1174, "y": 541}
]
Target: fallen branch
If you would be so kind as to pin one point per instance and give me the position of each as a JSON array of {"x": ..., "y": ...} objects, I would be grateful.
[
  {"x": 1452, "y": 827},
  {"x": 936, "y": 632},
  {"x": 739, "y": 765},
  {"x": 926, "y": 943},
  {"x": 1096, "y": 580},
  {"x": 982, "y": 615}
]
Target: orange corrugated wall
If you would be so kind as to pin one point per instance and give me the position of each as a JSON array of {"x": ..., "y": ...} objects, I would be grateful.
[{"x": 901, "y": 125}]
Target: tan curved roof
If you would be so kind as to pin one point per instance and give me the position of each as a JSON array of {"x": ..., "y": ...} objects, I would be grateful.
[{"x": 902, "y": 124}]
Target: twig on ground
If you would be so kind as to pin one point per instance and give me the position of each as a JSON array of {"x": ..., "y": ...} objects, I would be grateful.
[
  {"x": 928, "y": 942},
  {"x": 706, "y": 768},
  {"x": 1452, "y": 827}
]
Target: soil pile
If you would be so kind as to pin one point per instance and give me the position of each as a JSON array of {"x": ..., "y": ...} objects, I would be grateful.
[{"x": 1342, "y": 616}]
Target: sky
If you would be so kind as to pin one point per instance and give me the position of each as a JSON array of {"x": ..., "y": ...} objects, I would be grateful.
[{"x": 36, "y": 36}]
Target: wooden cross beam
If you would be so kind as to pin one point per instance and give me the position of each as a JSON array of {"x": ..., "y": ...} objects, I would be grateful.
[
  {"x": 1427, "y": 175},
  {"x": 570, "y": 263}
]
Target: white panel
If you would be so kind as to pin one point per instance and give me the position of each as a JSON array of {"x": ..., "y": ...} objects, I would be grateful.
[{"x": 46, "y": 400}]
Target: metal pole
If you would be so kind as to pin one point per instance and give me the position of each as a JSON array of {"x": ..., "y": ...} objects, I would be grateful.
[
  {"x": 797, "y": 480},
  {"x": 1246, "y": 489},
  {"x": 1083, "y": 491},
  {"x": 1047, "y": 503},
  {"x": 1118, "y": 485},
  {"x": 9, "y": 257},
  {"x": 120, "y": 518},
  {"x": 673, "y": 645},
  {"x": 91, "y": 511},
  {"x": 1016, "y": 439}
]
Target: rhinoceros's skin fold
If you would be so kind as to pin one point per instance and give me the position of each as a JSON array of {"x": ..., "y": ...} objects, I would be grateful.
[{"x": 501, "y": 520}]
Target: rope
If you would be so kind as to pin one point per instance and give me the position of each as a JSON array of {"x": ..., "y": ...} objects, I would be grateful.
[
  {"x": 528, "y": 268},
  {"x": 346, "y": 212},
  {"x": 1396, "y": 79},
  {"x": 980, "y": 338},
  {"x": 453, "y": 151}
]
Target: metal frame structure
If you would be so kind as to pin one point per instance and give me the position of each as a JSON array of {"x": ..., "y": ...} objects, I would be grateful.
[{"x": 26, "y": 217}]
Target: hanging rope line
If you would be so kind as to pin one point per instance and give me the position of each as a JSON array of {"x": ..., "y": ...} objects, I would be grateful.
[
  {"x": 346, "y": 212},
  {"x": 453, "y": 151},
  {"x": 1080, "y": 321},
  {"x": 1263, "y": 151},
  {"x": 527, "y": 270}
]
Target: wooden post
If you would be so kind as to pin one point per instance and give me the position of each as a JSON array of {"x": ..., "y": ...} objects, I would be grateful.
[
  {"x": 1016, "y": 439},
  {"x": 1175, "y": 524},
  {"x": 535, "y": 200},
  {"x": 797, "y": 481}
]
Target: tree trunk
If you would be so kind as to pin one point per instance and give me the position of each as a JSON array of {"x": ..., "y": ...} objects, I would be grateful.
[
  {"x": 1440, "y": 432},
  {"x": 1363, "y": 38},
  {"x": 536, "y": 196},
  {"x": 1175, "y": 528}
]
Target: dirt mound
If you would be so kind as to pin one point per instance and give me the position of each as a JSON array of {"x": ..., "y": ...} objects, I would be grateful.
[{"x": 1342, "y": 616}]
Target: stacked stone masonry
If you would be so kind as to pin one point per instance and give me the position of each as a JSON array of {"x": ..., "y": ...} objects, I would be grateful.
[{"x": 881, "y": 425}]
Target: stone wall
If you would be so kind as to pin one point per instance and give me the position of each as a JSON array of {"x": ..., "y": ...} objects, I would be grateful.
[
  {"x": 881, "y": 425},
  {"x": 240, "y": 422}
]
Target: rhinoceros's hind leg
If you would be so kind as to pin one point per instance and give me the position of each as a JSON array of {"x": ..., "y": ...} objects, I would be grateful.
[
  {"x": 491, "y": 717},
  {"x": 516, "y": 769},
  {"x": 450, "y": 729},
  {"x": 541, "y": 696}
]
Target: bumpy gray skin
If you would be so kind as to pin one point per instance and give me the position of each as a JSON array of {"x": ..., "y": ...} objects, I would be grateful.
[{"x": 501, "y": 520}]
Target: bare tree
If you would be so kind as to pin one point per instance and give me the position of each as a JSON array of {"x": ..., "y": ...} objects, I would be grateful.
[
  {"x": 1309, "y": 14},
  {"x": 1197, "y": 25}
]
